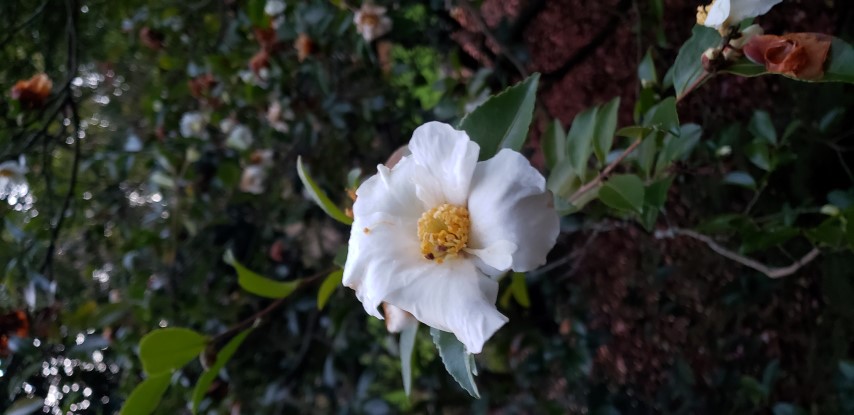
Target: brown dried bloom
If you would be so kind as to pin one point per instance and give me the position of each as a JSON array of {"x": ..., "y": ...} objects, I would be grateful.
[
  {"x": 799, "y": 55},
  {"x": 33, "y": 92},
  {"x": 304, "y": 46}
]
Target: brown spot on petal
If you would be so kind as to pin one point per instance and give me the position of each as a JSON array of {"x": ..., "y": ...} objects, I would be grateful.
[{"x": 799, "y": 55}]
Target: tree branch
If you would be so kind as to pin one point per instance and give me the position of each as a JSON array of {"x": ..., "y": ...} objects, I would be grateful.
[
  {"x": 484, "y": 29},
  {"x": 772, "y": 272},
  {"x": 605, "y": 172}
]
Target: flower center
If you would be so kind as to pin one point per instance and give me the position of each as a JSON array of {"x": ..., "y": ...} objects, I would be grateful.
[
  {"x": 703, "y": 13},
  {"x": 443, "y": 231}
]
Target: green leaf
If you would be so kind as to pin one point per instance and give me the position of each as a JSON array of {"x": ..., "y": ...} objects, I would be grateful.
[
  {"x": 757, "y": 152},
  {"x": 407, "y": 344},
  {"x": 634, "y": 132},
  {"x": 623, "y": 192},
  {"x": 165, "y": 350},
  {"x": 579, "y": 140},
  {"x": 25, "y": 406},
  {"x": 645, "y": 153},
  {"x": 646, "y": 70},
  {"x": 319, "y": 196},
  {"x": 224, "y": 355},
  {"x": 258, "y": 284},
  {"x": 784, "y": 408},
  {"x": 663, "y": 117},
  {"x": 688, "y": 69},
  {"x": 762, "y": 127},
  {"x": 562, "y": 178},
  {"x": 256, "y": 13},
  {"x": 144, "y": 399},
  {"x": 518, "y": 290},
  {"x": 656, "y": 193},
  {"x": 503, "y": 120},
  {"x": 740, "y": 178},
  {"x": 458, "y": 362},
  {"x": 554, "y": 144},
  {"x": 606, "y": 124},
  {"x": 677, "y": 148},
  {"x": 330, "y": 283}
]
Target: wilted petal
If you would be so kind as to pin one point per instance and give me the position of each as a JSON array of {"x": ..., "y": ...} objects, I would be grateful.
[
  {"x": 448, "y": 156},
  {"x": 800, "y": 55},
  {"x": 396, "y": 319},
  {"x": 509, "y": 202}
]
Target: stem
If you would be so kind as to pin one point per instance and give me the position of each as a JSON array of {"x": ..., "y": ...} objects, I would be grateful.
[
  {"x": 772, "y": 272},
  {"x": 605, "y": 172}
]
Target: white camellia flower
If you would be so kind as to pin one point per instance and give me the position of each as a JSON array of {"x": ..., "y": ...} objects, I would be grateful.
[
  {"x": 239, "y": 138},
  {"x": 13, "y": 180},
  {"x": 720, "y": 14},
  {"x": 371, "y": 21},
  {"x": 253, "y": 178},
  {"x": 193, "y": 125},
  {"x": 274, "y": 7},
  {"x": 429, "y": 234}
]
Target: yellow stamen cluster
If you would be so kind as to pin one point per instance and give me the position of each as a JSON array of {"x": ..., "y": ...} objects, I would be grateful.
[
  {"x": 443, "y": 231},
  {"x": 703, "y": 13}
]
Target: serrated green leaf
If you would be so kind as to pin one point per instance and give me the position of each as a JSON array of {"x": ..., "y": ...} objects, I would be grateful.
[
  {"x": 762, "y": 127},
  {"x": 330, "y": 283},
  {"x": 25, "y": 406},
  {"x": 688, "y": 69},
  {"x": 740, "y": 178},
  {"x": 606, "y": 125},
  {"x": 579, "y": 140},
  {"x": 143, "y": 400},
  {"x": 503, "y": 120},
  {"x": 407, "y": 345},
  {"x": 224, "y": 355},
  {"x": 623, "y": 192},
  {"x": 456, "y": 359},
  {"x": 554, "y": 144},
  {"x": 256, "y": 283},
  {"x": 320, "y": 197},
  {"x": 164, "y": 350}
]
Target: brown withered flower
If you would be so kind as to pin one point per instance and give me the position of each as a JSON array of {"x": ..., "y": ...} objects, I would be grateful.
[
  {"x": 799, "y": 55},
  {"x": 201, "y": 86},
  {"x": 260, "y": 61},
  {"x": 33, "y": 92},
  {"x": 266, "y": 37},
  {"x": 151, "y": 38},
  {"x": 304, "y": 46}
]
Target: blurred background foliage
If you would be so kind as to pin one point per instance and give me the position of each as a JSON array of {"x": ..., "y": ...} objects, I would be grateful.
[{"x": 171, "y": 135}]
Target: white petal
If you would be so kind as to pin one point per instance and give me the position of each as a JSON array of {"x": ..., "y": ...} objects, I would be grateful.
[
  {"x": 448, "y": 156},
  {"x": 509, "y": 202},
  {"x": 718, "y": 13},
  {"x": 498, "y": 255},
  {"x": 384, "y": 264},
  {"x": 744, "y": 9},
  {"x": 391, "y": 191},
  {"x": 396, "y": 319},
  {"x": 453, "y": 297},
  {"x": 381, "y": 248}
]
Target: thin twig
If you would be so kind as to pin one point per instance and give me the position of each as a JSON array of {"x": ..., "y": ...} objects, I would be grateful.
[
  {"x": 772, "y": 272},
  {"x": 256, "y": 318},
  {"x": 604, "y": 174},
  {"x": 12, "y": 32}
]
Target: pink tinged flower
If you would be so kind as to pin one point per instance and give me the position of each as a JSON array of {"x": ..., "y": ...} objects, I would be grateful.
[
  {"x": 721, "y": 14},
  {"x": 372, "y": 22},
  {"x": 430, "y": 234}
]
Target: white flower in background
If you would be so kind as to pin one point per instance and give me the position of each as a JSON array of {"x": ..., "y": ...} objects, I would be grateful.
[
  {"x": 429, "y": 234},
  {"x": 274, "y": 7},
  {"x": 720, "y": 14},
  {"x": 227, "y": 124},
  {"x": 193, "y": 124},
  {"x": 263, "y": 158},
  {"x": 277, "y": 116},
  {"x": 239, "y": 138},
  {"x": 371, "y": 21},
  {"x": 13, "y": 180},
  {"x": 253, "y": 178}
]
